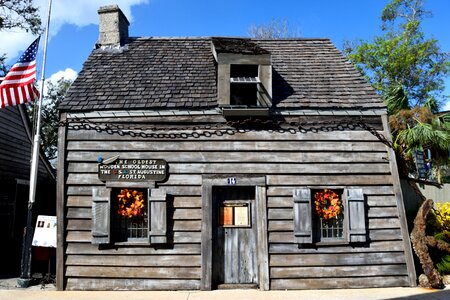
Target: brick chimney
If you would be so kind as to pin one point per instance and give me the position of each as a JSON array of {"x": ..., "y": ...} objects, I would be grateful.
[{"x": 113, "y": 26}]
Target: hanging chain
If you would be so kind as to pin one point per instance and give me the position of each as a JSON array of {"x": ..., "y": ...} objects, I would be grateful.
[{"x": 220, "y": 129}]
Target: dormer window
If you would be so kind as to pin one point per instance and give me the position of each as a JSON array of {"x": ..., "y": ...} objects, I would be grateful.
[{"x": 244, "y": 77}]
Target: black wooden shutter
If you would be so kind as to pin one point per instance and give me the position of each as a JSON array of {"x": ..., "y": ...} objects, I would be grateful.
[
  {"x": 157, "y": 205},
  {"x": 357, "y": 216},
  {"x": 101, "y": 215},
  {"x": 302, "y": 216}
]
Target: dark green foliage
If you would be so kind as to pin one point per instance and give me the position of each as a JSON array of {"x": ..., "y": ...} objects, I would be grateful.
[
  {"x": 19, "y": 14},
  {"x": 444, "y": 265},
  {"x": 49, "y": 126},
  {"x": 403, "y": 56},
  {"x": 3, "y": 67},
  {"x": 442, "y": 259}
]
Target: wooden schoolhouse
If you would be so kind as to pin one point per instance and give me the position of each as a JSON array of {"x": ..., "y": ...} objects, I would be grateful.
[{"x": 216, "y": 162}]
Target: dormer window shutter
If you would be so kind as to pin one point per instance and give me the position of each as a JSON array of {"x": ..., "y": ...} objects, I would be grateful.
[
  {"x": 157, "y": 212},
  {"x": 101, "y": 215},
  {"x": 357, "y": 216},
  {"x": 303, "y": 229}
]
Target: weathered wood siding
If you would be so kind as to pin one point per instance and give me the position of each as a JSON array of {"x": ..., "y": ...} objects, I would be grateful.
[{"x": 340, "y": 158}]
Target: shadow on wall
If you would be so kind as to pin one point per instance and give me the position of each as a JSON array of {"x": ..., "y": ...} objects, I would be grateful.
[
  {"x": 415, "y": 193},
  {"x": 281, "y": 88}
]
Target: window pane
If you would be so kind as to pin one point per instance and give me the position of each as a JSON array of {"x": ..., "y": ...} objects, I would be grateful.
[
  {"x": 333, "y": 228},
  {"x": 243, "y": 94},
  {"x": 130, "y": 214},
  {"x": 243, "y": 71}
]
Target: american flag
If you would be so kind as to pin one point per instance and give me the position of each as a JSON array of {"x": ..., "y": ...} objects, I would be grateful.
[{"x": 18, "y": 85}]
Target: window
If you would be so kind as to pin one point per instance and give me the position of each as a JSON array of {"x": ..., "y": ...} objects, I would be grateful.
[
  {"x": 129, "y": 215},
  {"x": 329, "y": 216},
  {"x": 235, "y": 214},
  {"x": 244, "y": 85},
  {"x": 244, "y": 77}
]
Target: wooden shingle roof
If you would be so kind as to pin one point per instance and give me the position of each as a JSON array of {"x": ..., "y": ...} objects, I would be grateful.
[{"x": 169, "y": 73}]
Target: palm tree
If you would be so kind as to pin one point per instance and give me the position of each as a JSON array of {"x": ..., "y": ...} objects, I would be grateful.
[{"x": 418, "y": 128}]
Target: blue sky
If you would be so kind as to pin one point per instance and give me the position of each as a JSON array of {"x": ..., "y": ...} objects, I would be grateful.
[{"x": 74, "y": 31}]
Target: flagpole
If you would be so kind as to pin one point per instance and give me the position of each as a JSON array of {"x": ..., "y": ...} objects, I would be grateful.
[{"x": 25, "y": 273}]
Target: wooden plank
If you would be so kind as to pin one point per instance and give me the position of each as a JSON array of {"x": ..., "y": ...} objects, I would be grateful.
[
  {"x": 274, "y": 168},
  {"x": 385, "y": 234},
  {"x": 194, "y": 225},
  {"x": 135, "y": 272},
  {"x": 187, "y": 202},
  {"x": 178, "y": 237},
  {"x": 400, "y": 204},
  {"x": 87, "y": 162},
  {"x": 187, "y": 214},
  {"x": 263, "y": 248},
  {"x": 79, "y": 201},
  {"x": 83, "y": 179},
  {"x": 182, "y": 190},
  {"x": 334, "y": 272},
  {"x": 375, "y": 235},
  {"x": 383, "y": 212},
  {"x": 281, "y": 225},
  {"x": 280, "y": 214},
  {"x": 381, "y": 200},
  {"x": 336, "y": 259},
  {"x": 134, "y": 260},
  {"x": 172, "y": 190},
  {"x": 339, "y": 283},
  {"x": 374, "y": 246},
  {"x": 79, "y": 224},
  {"x": 230, "y": 168},
  {"x": 206, "y": 236},
  {"x": 79, "y": 213},
  {"x": 86, "y": 151},
  {"x": 286, "y": 191},
  {"x": 279, "y": 202},
  {"x": 237, "y": 136},
  {"x": 293, "y": 180},
  {"x": 175, "y": 249},
  {"x": 100, "y": 284},
  {"x": 60, "y": 205},
  {"x": 384, "y": 223}
]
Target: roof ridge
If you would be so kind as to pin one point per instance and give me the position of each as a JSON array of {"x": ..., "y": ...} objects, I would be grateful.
[{"x": 143, "y": 38}]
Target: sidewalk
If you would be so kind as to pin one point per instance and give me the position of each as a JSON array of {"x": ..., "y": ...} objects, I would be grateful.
[{"x": 8, "y": 290}]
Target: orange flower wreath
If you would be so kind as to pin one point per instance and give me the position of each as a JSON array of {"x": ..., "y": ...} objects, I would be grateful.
[
  {"x": 328, "y": 204},
  {"x": 131, "y": 203}
]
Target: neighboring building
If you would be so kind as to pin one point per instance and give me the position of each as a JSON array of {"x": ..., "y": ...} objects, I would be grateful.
[
  {"x": 226, "y": 142},
  {"x": 15, "y": 156}
]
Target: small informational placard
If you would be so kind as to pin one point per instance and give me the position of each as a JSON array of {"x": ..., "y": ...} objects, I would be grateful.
[
  {"x": 45, "y": 232},
  {"x": 133, "y": 170},
  {"x": 420, "y": 164},
  {"x": 235, "y": 215},
  {"x": 226, "y": 215},
  {"x": 241, "y": 216}
]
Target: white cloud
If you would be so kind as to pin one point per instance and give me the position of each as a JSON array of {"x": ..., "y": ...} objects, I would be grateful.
[
  {"x": 446, "y": 106},
  {"x": 68, "y": 74},
  {"x": 79, "y": 13}
]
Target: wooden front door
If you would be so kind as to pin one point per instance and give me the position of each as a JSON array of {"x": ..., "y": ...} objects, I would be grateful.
[{"x": 234, "y": 237}]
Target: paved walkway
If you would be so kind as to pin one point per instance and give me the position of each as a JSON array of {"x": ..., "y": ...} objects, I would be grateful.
[{"x": 9, "y": 290}]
